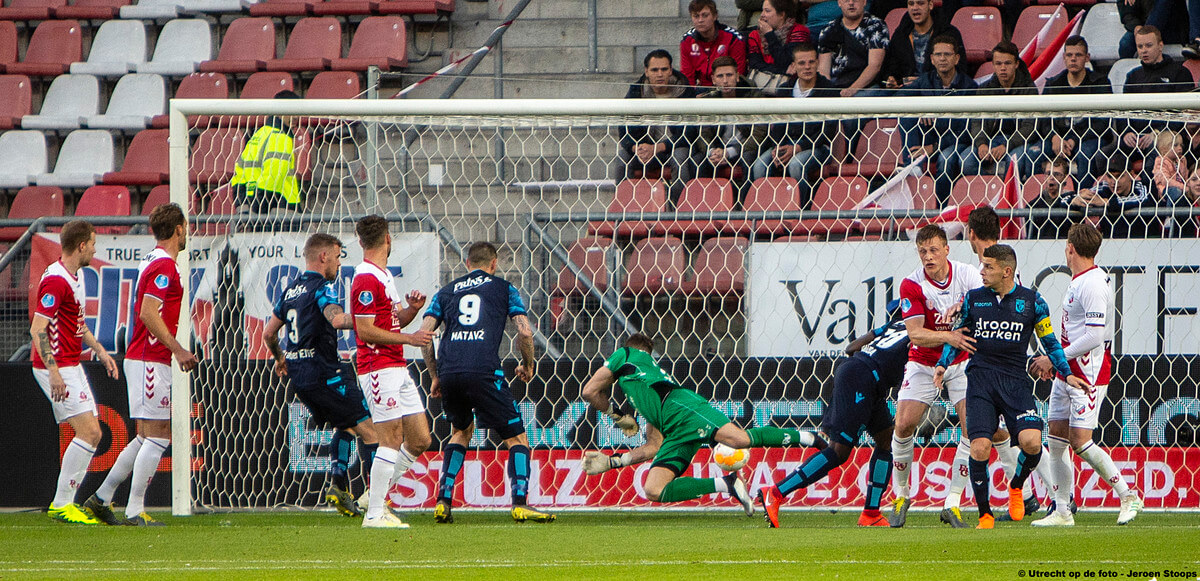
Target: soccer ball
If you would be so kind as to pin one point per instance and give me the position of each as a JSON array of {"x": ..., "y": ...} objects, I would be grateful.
[{"x": 730, "y": 459}]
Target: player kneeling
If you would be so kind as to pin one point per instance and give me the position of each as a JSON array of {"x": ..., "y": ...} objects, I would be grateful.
[{"x": 679, "y": 423}]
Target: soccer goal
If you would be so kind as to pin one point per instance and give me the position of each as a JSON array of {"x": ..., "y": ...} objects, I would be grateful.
[{"x": 752, "y": 265}]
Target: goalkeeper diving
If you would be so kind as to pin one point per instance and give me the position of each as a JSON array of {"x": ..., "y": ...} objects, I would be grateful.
[{"x": 679, "y": 421}]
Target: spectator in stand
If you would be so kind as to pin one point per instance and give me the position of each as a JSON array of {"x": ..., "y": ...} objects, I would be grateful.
[
  {"x": 1120, "y": 190},
  {"x": 994, "y": 139},
  {"x": 645, "y": 151},
  {"x": 1058, "y": 191},
  {"x": 719, "y": 151},
  {"x": 1170, "y": 168},
  {"x": 779, "y": 31},
  {"x": 1158, "y": 73},
  {"x": 1168, "y": 16},
  {"x": 853, "y": 48},
  {"x": 1075, "y": 138},
  {"x": 798, "y": 149},
  {"x": 1190, "y": 227},
  {"x": 909, "y": 51},
  {"x": 941, "y": 138},
  {"x": 707, "y": 41}
]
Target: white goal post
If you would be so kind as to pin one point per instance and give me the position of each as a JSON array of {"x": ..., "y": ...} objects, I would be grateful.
[{"x": 537, "y": 174}]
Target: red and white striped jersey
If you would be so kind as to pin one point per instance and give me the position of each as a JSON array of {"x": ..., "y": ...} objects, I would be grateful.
[
  {"x": 1087, "y": 303},
  {"x": 373, "y": 295},
  {"x": 60, "y": 301},
  {"x": 939, "y": 302}
]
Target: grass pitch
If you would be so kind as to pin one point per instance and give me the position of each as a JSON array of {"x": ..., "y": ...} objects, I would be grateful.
[{"x": 590, "y": 545}]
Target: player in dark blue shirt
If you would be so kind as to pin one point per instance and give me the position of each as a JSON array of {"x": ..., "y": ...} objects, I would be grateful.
[
  {"x": 311, "y": 312},
  {"x": 858, "y": 404},
  {"x": 466, "y": 374},
  {"x": 1002, "y": 316}
]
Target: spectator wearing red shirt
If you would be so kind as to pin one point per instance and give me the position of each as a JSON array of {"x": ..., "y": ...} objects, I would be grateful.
[{"x": 707, "y": 41}]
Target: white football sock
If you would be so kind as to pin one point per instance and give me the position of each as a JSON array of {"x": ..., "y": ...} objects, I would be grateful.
[
  {"x": 74, "y": 467},
  {"x": 722, "y": 486},
  {"x": 1045, "y": 472},
  {"x": 807, "y": 438},
  {"x": 404, "y": 462},
  {"x": 1062, "y": 470},
  {"x": 144, "y": 468},
  {"x": 1103, "y": 464},
  {"x": 902, "y": 455},
  {"x": 381, "y": 480},
  {"x": 959, "y": 475},
  {"x": 120, "y": 470}
]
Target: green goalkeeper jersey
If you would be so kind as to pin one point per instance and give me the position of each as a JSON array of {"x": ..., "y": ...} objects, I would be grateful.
[{"x": 643, "y": 381}]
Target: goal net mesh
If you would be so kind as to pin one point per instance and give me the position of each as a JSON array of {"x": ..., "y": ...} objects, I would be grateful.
[{"x": 686, "y": 227}]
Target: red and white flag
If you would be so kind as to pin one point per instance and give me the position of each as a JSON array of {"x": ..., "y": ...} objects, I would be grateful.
[
  {"x": 1050, "y": 60},
  {"x": 1009, "y": 198}
]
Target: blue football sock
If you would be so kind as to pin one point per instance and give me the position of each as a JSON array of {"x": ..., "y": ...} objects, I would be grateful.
[
  {"x": 339, "y": 458},
  {"x": 978, "y": 470},
  {"x": 813, "y": 469},
  {"x": 878, "y": 478},
  {"x": 518, "y": 473},
  {"x": 452, "y": 462},
  {"x": 1026, "y": 463}
]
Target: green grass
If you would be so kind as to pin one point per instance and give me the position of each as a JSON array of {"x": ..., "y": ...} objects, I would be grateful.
[{"x": 613, "y": 545}]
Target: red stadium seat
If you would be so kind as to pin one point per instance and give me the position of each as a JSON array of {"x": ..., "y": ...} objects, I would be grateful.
[
  {"x": 1031, "y": 21},
  {"x": 770, "y": 195},
  {"x": 701, "y": 195},
  {"x": 981, "y": 30},
  {"x": 105, "y": 201},
  {"x": 33, "y": 202},
  {"x": 90, "y": 9},
  {"x": 312, "y": 46},
  {"x": 146, "y": 161},
  {"x": 17, "y": 102},
  {"x": 381, "y": 41},
  {"x": 720, "y": 268},
  {"x": 281, "y": 8},
  {"x": 248, "y": 45},
  {"x": 220, "y": 203},
  {"x": 345, "y": 7},
  {"x": 655, "y": 267},
  {"x": 976, "y": 190},
  {"x": 334, "y": 85},
  {"x": 1033, "y": 186},
  {"x": 158, "y": 196},
  {"x": 8, "y": 44},
  {"x": 591, "y": 256},
  {"x": 1193, "y": 66},
  {"x": 633, "y": 196},
  {"x": 877, "y": 152},
  {"x": 415, "y": 6},
  {"x": 54, "y": 46},
  {"x": 894, "y": 16},
  {"x": 267, "y": 85},
  {"x": 215, "y": 153},
  {"x": 30, "y": 9},
  {"x": 924, "y": 198},
  {"x": 197, "y": 86},
  {"x": 839, "y": 193}
]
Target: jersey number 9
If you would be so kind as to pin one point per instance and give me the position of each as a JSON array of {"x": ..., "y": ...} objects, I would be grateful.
[{"x": 468, "y": 310}]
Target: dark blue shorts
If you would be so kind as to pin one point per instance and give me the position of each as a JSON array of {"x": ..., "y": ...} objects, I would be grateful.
[
  {"x": 337, "y": 401},
  {"x": 991, "y": 395},
  {"x": 482, "y": 398},
  {"x": 858, "y": 403}
]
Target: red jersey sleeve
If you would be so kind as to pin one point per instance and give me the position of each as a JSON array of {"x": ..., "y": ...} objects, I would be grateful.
[
  {"x": 912, "y": 300},
  {"x": 362, "y": 296},
  {"x": 52, "y": 291},
  {"x": 160, "y": 279}
]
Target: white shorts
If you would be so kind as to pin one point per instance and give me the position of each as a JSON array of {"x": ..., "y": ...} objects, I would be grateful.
[
  {"x": 79, "y": 392},
  {"x": 1082, "y": 409},
  {"x": 149, "y": 387},
  {"x": 918, "y": 383},
  {"x": 391, "y": 393}
]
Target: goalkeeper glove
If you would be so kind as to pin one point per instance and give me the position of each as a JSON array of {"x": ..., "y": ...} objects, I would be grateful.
[
  {"x": 628, "y": 424},
  {"x": 598, "y": 462}
]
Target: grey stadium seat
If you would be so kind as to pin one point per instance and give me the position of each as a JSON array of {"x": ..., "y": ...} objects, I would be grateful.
[
  {"x": 22, "y": 158},
  {"x": 182, "y": 45},
  {"x": 1119, "y": 71},
  {"x": 119, "y": 47},
  {"x": 85, "y": 156},
  {"x": 70, "y": 100},
  {"x": 151, "y": 10},
  {"x": 1102, "y": 28},
  {"x": 136, "y": 99}
]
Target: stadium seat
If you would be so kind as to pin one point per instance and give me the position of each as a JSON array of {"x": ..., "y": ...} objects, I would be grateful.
[
  {"x": 1193, "y": 66},
  {"x": 22, "y": 158},
  {"x": 17, "y": 101},
  {"x": 1031, "y": 21},
  {"x": 32, "y": 202},
  {"x": 220, "y": 203},
  {"x": 85, "y": 156},
  {"x": 30, "y": 9},
  {"x": 146, "y": 162},
  {"x": 1033, "y": 186},
  {"x": 924, "y": 198},
  {"x": 334, "y": 85},
  {"x": 91, "y": 10},
  {"x": 976, "y": 190},
  {"x": 591, "y": 256},
  {"x": 118, "y": 48},
  {"x": 345, "y": 7},
  {"x": 151, "y": 10},
  {"x": 1118, "y": 72},
  {"x": 1102, "y": 28},
  {"x": 312, "y": 46},
  {"x": 877, "y": 151},
  {"x": 197, "y": 86},
  {"x": 282, "y": 8},
  {"x": 894, "y": 16},
  {"x": 839, "y": 193},
  {"x": 158, "y": 196},
  {"x": 633, "y": 196},
  {"x": 701, "y": 195},
  {"x": 981, "y": 30},
  {"x": 54, "y": 46},
  {"x": 985, "y": 69},
  {"x": 410, "y": 7},
  {"x": 214, "y": 155},
  {"x": 105, "y": 201},
  {"x": 212, "y": 7},
  {"x": 182, "y": 46},
  {"x": 381, "y": 41},
  {"x": 655, "y": 267},
  {"x": 248, "y": 44},
  {"x": 719, "y": 268},
  {"x": 770, "y": 195},
  {"x": 266, "y": 85},
  {"x": 70, "y": 100},
  {"x": 8, "y": 44},
  {"x": 135, "y": 101}
]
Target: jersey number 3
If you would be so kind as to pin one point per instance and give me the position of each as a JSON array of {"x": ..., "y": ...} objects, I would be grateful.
[
  {"x": 293, "y": 327},
  {"x": 468, "y": 310}
]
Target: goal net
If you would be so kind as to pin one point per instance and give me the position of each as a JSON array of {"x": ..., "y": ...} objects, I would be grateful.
[{"x": 752, "y": 238}]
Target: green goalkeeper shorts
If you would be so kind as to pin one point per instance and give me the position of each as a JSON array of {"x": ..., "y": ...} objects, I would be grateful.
[{"x": 689, "y": 422}]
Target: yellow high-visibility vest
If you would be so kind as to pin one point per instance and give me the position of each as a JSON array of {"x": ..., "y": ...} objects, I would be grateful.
[{"x": 268, "y": 164}]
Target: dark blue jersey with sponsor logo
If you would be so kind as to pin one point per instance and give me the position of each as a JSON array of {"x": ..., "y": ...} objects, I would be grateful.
[
  {"x": 475, "y": 309},
  {"x": 888, "y": 352},
  {"x": 1002, "y": 326},
  {"x": 311, "y": 343}
]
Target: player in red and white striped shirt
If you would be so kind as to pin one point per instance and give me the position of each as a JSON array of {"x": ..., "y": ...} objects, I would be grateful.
[
  {"x": 392, "y": 396},
  {"x": 59, "y": 333},
  {"x": 1074, "y": 414},
  {"x": 148, "y": 368}
]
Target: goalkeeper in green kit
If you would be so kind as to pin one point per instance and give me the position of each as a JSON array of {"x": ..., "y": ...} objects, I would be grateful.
[{"x": 679, "y": 422}]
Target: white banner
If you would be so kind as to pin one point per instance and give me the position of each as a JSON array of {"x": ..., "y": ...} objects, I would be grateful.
[
  {"x": 811, "y": 299},
  {"x": 266, "y": 263}
]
